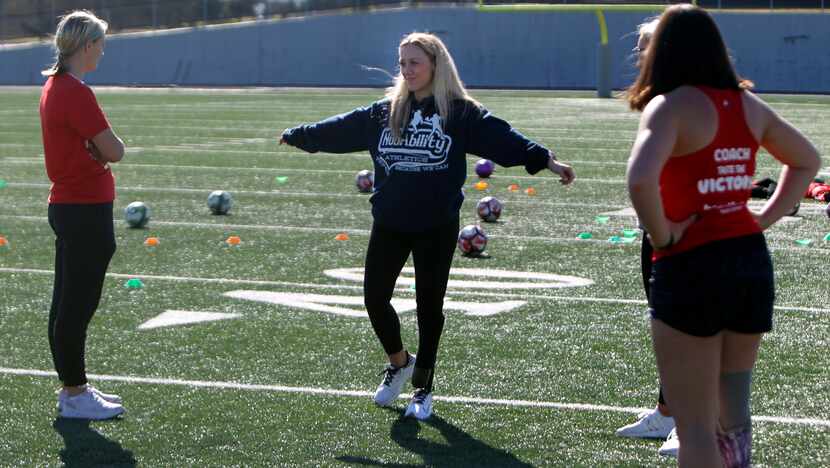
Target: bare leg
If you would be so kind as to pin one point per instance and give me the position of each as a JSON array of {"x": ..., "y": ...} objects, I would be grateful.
[{"x": 689, "y": 372}]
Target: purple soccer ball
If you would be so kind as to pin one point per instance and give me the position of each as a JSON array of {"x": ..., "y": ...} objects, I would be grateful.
[
  {"x": 364, "y": 181},
  {"x": 489, "y": 209},
  {"x": 485, "y": 168},
  {"x": 472, "y": 240}
]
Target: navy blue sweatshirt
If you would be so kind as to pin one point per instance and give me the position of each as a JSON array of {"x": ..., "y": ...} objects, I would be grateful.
[{"x": 418, "y": 179}]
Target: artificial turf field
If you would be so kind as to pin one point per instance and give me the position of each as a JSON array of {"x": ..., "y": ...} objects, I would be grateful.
[{"x": 544, "y": 382}]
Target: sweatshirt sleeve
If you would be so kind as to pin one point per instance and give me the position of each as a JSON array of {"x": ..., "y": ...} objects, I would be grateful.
[
  {"x": 492, "y": 138},
  {"x": 344, "y": 133}
]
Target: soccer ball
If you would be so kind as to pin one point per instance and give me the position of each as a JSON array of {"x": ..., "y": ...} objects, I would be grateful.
[
  {"x": 219, "y": 202},
  {"x": 472, "y": 240},
  {"x": 489, "y": 209},
  {"x": 137, "y": 214},
  {"x": 364, "y": 181},
  {"x": 484, "y": 168},
  {"x": 794, "y": 211}
]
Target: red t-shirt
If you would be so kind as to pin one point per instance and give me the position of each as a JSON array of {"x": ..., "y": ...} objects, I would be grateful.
[
  {"x": 69, "y": 117},
  {"x": 714, "y": 182}
]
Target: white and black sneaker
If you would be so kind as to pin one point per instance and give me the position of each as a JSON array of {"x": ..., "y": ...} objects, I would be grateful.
[
  {"x": 394, "y": 379},
  {"x": 88, "y": 405},
  {"x": 420, "y": 407}
]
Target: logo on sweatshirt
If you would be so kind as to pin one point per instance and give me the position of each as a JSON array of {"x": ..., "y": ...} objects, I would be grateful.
[{"x": 423, "y": 147}]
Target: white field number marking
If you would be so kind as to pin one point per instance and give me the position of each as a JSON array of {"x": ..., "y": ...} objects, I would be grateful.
[
  {"x": 332, "y": 304},
  {"x": 171, "y": 318},
  {"x": 495, "y": 279}
]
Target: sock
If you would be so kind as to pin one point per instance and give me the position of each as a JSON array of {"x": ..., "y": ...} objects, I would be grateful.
[{"x": 736, "y": 447}]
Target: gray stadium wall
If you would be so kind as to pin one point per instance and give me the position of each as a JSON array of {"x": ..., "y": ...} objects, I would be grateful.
[{"x": 781, "y": 52}]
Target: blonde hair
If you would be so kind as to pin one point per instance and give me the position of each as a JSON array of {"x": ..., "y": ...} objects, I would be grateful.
[
  {"x": 75, "y": 30},
  {"x": 446, "y": 85},
  {"x": 647, "y": 29}
]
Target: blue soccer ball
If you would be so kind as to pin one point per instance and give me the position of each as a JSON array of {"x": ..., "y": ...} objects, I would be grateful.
[
  {"x": 219, "y": 202},
  {"x": 137, "y": 214}
]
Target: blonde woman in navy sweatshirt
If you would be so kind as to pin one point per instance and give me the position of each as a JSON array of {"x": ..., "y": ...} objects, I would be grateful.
[{"x": 418, "y": 137}]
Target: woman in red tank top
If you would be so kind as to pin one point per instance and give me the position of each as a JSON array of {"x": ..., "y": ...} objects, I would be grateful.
[{"x": 689, "y": 179}]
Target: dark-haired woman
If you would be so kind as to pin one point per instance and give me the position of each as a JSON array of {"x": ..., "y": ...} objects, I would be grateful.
[{"x": 689, "y": 179}]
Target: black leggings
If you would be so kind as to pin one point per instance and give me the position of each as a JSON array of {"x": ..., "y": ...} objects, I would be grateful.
[
  {"x": 84, "y": 245},
  {"x": 432, "y": 253},
  {"x": 645, "y": 265}
]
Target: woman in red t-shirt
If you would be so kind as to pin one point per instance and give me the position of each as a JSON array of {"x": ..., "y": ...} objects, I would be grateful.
[
  {"x": 689, "y": 179},
  {"x": 78, "y": 145}
]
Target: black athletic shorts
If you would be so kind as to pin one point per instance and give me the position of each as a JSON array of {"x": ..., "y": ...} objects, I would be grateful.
[{"x": 723, "y": 285}]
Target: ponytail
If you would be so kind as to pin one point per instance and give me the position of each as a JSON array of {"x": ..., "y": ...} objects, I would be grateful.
[{"x": 74, "y": 31}]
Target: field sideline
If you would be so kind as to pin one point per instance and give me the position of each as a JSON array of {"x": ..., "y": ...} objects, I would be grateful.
[{"x": 544, "y": 378}]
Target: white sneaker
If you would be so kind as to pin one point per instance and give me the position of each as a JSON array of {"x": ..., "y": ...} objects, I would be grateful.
[
  {"x": 671, "y": 446},
  {"x": 88, "y": 405},
  {"x": 420, "y": 407},
  {"x": 110, "y": 397},
  {"x": 651, "y": 425},
  {"x": 394, "y": 379}
]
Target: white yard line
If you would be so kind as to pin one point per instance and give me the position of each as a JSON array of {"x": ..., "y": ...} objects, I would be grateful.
[
  {"x": 362, "y": 394},
  {"x": 199, "y": 147},
  {"x": 39, "y": 162},
  {"x": 361, "y": 231},
  {"x": 450, "y": 291}
]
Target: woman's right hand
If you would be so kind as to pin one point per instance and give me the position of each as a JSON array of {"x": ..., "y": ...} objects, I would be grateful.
[
  {"x": 676, "y": 232},
  {"x": 95, "y": 153}
]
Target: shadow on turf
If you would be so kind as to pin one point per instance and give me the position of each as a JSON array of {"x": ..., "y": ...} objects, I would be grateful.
[
  {"x": 460, "y": 449},
  {"x": 84, "y": 446}
]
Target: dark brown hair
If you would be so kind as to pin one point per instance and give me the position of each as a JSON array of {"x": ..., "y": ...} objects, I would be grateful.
[{"x": 686, "y": 49}]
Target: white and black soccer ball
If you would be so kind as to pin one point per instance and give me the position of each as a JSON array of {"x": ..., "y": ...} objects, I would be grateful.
[
  {"x": 472, "y": 240},
  {"x": 219, "y": 202},
  {"x": 137, "y": 214},
  {"x": 364, "y": 181},
  {"x": 489, "y": 209}
]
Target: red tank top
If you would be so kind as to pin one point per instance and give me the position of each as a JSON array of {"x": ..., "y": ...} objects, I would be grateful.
[{"x": 714, "y": 182}]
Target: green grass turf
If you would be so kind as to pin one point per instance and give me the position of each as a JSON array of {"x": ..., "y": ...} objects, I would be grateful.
[{"x": 185, "y": 143}]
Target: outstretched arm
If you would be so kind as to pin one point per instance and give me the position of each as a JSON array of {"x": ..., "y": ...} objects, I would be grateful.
[
  {"x": 493, "y": 138},
  {"x": 344, "y": 133}
]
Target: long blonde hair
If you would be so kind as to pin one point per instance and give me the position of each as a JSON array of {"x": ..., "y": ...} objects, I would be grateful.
[
  {"x": 446, "y": 85},
  {"x": 75, "y": 30}
]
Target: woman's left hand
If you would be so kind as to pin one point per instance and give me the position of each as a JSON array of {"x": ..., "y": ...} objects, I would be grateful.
[{"x": 565, "y": 172}]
